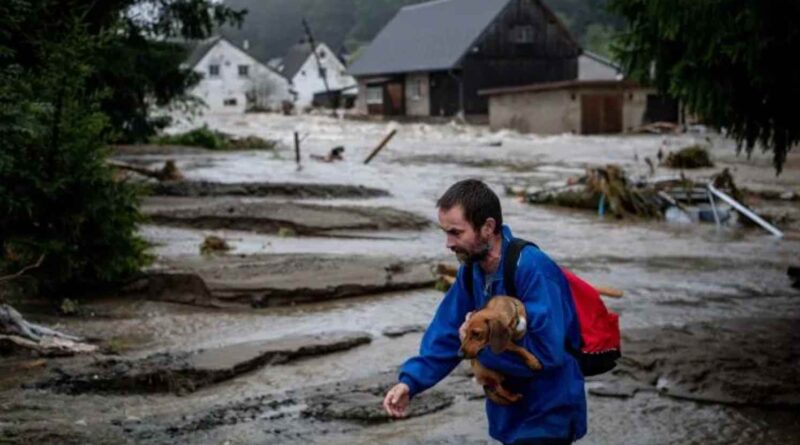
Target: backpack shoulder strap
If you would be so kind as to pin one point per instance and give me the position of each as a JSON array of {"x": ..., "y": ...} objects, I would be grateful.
[
  {"x": 468, "y": 278},
  {"x": 510, "y": 264}
]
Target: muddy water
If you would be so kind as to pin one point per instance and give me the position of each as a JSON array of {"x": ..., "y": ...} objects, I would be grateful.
[{"x": 671, "y": 275}]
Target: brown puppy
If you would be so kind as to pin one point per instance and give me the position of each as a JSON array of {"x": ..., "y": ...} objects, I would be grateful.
[{"x": 497, "y": 325}]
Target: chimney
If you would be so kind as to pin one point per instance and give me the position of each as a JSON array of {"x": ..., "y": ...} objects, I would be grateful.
[{"x": 246, "y": 44}]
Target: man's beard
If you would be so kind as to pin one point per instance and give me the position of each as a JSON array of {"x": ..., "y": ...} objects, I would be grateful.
[{"x": 466, "y": 257}]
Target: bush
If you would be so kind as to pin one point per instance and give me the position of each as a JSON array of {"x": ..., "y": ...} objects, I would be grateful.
[
  {"x": 199, "y": 137},
  {"x": 214, "y": 140}
]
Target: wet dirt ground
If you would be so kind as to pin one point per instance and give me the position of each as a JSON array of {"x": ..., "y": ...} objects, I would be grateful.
[{"x": 712, "y": 286}]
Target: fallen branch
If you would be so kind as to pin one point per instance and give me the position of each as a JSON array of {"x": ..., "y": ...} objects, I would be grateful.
[
  {"x": 14, "y": 329},
  {"x": 23, "y": 270}
]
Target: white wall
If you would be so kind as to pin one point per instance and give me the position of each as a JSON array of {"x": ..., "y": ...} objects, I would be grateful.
[
  {"x": 308, "y": 81},
  {"x": 272, "y": 88}
]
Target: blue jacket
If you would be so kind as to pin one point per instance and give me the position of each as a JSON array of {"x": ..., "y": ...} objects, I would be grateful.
[{"x": 553, "y": 403}]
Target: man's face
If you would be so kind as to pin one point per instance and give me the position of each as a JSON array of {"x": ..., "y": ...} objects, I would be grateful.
[{"x": 468, "y": 244}]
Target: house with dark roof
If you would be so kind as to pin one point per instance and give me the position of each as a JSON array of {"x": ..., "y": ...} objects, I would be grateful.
[
  {"x": 432, "y": 58},
  {"x": 233, "y": 80},
  {"x": 316, "y": 78}
]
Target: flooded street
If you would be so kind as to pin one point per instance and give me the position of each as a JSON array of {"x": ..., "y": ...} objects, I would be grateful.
[{"x": 673, "y": 276}]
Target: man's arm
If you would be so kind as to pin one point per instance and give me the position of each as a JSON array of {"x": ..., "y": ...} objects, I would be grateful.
[
  {"x": 438, "y": 353},
  {"x": 547, "y": 299}
]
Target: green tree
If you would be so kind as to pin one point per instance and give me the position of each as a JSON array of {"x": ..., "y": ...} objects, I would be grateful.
[
  {"x": 59, "y": 70},
  {"x": 728, "y": 61},
  {"x": 598, "y": 39}
]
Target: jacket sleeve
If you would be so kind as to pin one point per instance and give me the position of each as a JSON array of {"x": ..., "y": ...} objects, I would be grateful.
[
  {"x": 438, "y": 353},
  {"x": 545, "y": 294}
]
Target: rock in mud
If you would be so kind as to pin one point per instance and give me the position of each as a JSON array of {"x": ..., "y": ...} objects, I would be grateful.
[{"x": 189, "y": 371}]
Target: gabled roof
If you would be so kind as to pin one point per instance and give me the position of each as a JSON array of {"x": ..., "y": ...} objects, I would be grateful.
[
  {"x": 199, "y": 48},
  {"x": 427, "y": 36},
  {"x": 295, "y": 57},
  {"x": 298, "y": 54}
]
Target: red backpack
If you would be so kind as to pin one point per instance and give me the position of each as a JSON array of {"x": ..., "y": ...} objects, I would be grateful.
[{"x": 599, "y": 327}]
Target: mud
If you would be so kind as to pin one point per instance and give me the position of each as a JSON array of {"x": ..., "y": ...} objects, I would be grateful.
[
  {"x": 185, "y": 372},
  {"x": 277, "y": 217},
  {"x": 737, "y": 362},
  {"x": 274, "y": 280},
  {"x": 680, "y": 283},
  {"x": 306, "y": 414},
  {"x": 262, "y": 189}
]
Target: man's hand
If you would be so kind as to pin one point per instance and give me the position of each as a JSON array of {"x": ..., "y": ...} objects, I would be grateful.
[
  {"x": 396, "y": 401},
  {"x": 462, "y": 331}
]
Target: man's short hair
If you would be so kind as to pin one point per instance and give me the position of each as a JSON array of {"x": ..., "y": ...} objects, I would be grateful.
[{"x": 478, "y": 201}]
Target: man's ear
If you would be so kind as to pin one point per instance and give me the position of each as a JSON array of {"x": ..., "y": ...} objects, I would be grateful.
[
  {"x": 499, "y": 335},
  {"x": 488, "y": 227}
]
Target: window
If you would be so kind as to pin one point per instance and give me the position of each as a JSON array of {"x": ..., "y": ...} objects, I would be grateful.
[
  {"x": 321, "y": 54},
  {"x": 244, "y": 71},
  {"x": 375, "y": 95},
  {"x": 322, "y": 72},
  {"x": 229, "y": 102},
  {"x": 213, "y": 70},
  {"x": 522, "y": 34}
]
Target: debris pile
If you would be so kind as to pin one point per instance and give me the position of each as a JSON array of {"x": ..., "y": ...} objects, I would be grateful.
[
  {"x": 694, "y": 156},
  {"x": 677, "y": 199}
]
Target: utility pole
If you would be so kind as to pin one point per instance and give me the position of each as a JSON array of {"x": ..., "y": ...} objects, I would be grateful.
[{"x": 322, "y": 72}]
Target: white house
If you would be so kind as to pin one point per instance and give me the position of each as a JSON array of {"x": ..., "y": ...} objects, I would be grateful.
[
  {"x": 308, "y": 73},
  {"x": 233, "y": 80}
]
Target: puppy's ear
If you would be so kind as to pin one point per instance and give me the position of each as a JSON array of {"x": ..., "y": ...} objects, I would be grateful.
[{"x": 499, "y": 335}]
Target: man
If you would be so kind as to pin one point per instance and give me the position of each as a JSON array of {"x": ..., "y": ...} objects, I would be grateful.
[{"x": 553, "y": 406}]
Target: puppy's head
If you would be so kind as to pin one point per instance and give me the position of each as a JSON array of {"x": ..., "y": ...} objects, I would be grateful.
[{"x": 484, "y": 328}]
